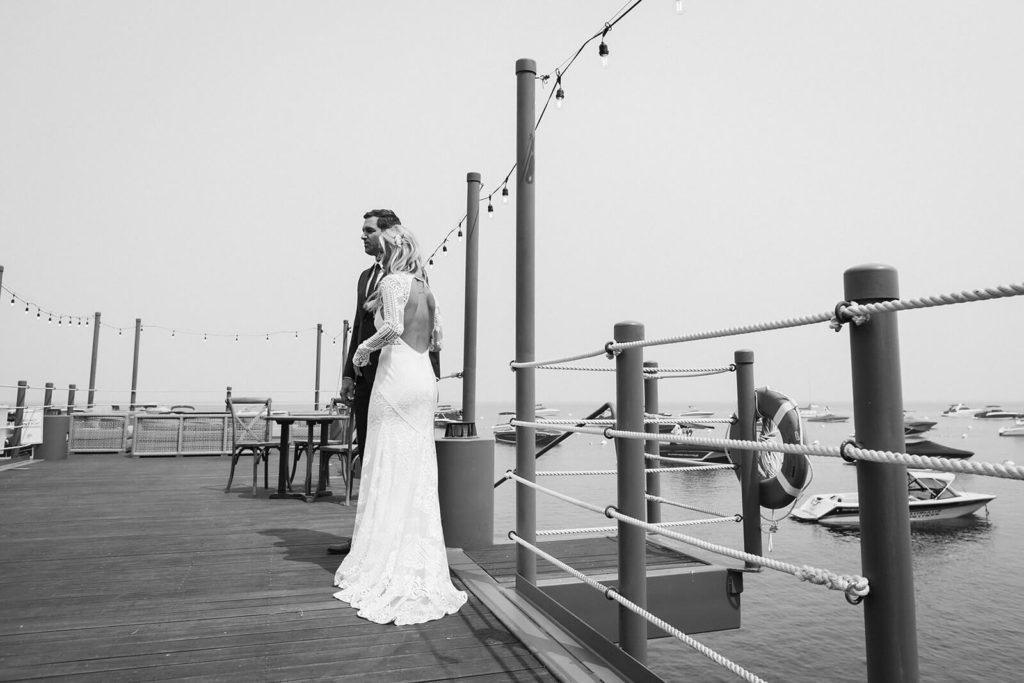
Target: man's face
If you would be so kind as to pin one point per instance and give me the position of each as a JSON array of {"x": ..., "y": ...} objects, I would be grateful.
[{"x": 371, "y": 237}]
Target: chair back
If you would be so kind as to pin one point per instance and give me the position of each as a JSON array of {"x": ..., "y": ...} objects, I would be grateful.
[
  {"x": 249, "y": 419},
  {"x": 341, "y": 430}
]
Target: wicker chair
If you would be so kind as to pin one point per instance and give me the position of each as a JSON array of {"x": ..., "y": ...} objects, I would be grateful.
[{"x": 251, "y": 434}]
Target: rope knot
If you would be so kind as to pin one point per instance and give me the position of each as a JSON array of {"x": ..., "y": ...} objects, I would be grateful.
[
  {"x": 609, "y": 351},
  {"x": 842, "y": 315}
]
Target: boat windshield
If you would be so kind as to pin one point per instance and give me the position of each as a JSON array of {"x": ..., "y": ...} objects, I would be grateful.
[{"x": 929, "y": 488}]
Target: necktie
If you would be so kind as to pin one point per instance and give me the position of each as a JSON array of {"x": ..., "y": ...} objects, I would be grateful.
[{"x": 373, "y": 280}]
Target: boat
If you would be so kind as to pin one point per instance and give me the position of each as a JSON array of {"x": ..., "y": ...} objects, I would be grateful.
[
  {"x": 961, "y": 410},
  {"x": 693, "y": 412},
  {"x": 446, "y": 413},
  {"x": 931, "y": 497},
  {"x": 996, "y": 413},
  {"x": 506, "y": 433},
  {"x": 539, "y": 410},
  {"x": 914, "y": 427},
  {"x": 916, "y": 445},
  {"x": 828, "y": 417},
  {"x": 811, "y": 410},
  {"x": 1016, "y": 430}
]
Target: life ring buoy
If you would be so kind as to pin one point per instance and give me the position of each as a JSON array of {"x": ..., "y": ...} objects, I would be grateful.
[{"x": 781, "y": 483}]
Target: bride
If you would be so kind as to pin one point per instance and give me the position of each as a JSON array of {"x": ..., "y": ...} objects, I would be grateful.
[{"x": 397, "y": 569}]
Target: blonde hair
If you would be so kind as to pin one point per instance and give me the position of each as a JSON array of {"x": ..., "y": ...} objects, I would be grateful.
[{"x": 400, "y": 253}]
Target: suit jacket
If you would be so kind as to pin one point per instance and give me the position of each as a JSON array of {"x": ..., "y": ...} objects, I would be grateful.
[{"x": 362, "y": 329}]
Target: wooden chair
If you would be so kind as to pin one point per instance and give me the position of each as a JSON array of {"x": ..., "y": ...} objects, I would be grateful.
[
  {"x": 251, "y": 432},
  {"x": 339, "y": 443}
]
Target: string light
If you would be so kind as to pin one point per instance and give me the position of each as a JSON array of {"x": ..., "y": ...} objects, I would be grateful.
[
  {"x": 172, "y": 333},
  {"x": 26, "y": 309},
  {"x": 444, "y": 248},
  {"x": 204, "y": 336},
  {"x": 490, "y": 208},
  {"x": 236, "y": 338},
  {"x": 59, "y": 318},
  {"x": 602, "y": 49},
  {"x": 12, "y": 300},
  {"x": 504, "y": 193},
  {"x": 559, "y": 93},
  {"x": 680, "y": 9},
  {"x": 460, "y": 233},
  {"x": 431, "y": 263}
]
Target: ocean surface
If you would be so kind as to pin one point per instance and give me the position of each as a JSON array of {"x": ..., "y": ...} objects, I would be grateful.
[{"x": 966, "y": 571}]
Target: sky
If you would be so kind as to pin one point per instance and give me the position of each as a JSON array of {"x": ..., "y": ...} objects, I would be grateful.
[{"x": 204, "y": 165}]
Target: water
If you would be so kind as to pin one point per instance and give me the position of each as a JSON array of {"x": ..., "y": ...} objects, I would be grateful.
[{"x": 966, "y": 579}]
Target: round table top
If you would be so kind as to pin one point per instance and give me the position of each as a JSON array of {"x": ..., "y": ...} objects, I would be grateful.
[{"x": 308, "y": 417}]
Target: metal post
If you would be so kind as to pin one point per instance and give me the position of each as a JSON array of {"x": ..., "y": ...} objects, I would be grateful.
[
  {"x": 652, "y": 447},
  {"x": 890, "y": 622},
  {"x": 629, "y": 456},
  {"x": 48, "y": 398},
  {"x": 71, "y": 397},
  {"x": 345, "y": 327},
  {"x": 526, "y": 387},
  {"x": 92, "y": 368},
  {"x": 316, "y": 384},
  {"x": 135, "y": 362},
  {"x": 472, "y": 276},
  {"x": 19, "y": 416},
  {"x": 749, "y": 479}
]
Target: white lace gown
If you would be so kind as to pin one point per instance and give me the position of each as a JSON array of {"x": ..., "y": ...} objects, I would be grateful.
[{"x": 397, "y": 570}]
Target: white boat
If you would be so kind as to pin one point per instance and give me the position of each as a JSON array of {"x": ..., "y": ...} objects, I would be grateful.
[
  {"x": 812, "y": 410},
  {"x": 538, "y": 411},
  {"x": 1016, "y": 430},
  {"x": 930, "y": 494},
  {"x": 961, "y": 410}
]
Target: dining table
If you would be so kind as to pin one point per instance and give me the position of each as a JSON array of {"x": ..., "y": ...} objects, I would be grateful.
[{"x": 312, "y": 419}]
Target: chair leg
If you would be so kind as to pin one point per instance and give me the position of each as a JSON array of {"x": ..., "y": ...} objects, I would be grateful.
[
  {"x": 266, "y": 468},
  {"x": 295, "y": 461},
  {"x": 231, "y": 477}
]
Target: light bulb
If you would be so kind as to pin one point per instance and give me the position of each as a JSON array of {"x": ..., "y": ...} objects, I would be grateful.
[
  {"x": 444, "y": 248},
  {"x": 236, "y": 338},
  {"x": 559, "y": 96},
  {"x": 172, "y": 333},
  {"x": 12, "y": 300},
  {"x": 504, "y": 194},
  {"x": 490, "y": 209},
  {"x": 602, "y": 50},
  {"x": 431, "y": 264},
  {"x": 460, "y": 234}
]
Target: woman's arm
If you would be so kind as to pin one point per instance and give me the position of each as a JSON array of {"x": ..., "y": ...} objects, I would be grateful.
[{"x": 392, "y": 295}]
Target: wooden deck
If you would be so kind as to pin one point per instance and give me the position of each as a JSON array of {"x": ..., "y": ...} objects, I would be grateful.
[{"x": 119, "y": 568}]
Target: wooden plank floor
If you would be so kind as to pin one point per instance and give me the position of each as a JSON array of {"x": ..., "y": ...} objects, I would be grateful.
[{"x": 119, "y": 568}]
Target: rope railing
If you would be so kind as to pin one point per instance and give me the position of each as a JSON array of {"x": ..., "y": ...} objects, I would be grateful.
[
  {"x": 648, "y": 372},
  {"x": 612, "y": 594},
  {"x": 647, "y": 420},
  {"x": 844, "y": 312},
  {"x": 692, "y": 508},
  {"x": 848, "y": 449},
  {"x": 650, "y": 470},
  {"x": 613, "y": 529},
  {"x": 854, "y": 586}
]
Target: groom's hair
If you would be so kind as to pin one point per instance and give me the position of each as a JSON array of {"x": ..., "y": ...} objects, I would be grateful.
[{"x": 385, "y": 218}]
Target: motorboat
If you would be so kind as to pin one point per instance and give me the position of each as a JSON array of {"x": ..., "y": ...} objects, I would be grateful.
[
  {"x": 1016, "y": 430},
  {"x": 812, "y": 410},
  {"x": 996, "y": 413},
  {"x": 961, "y": 410},
  {"x": 915, "y": 427},
  {"x": 673, "y": 449},
  {"x": 506, "y": 433},
  {"x": 539, "y": 410},
  {"x": 917, "y": 445},
  {"x": 828, "y": 416},
  {"x": 692, "y": 412},
  {"x": 446, "y": 413},
  {"x": 931, "y": 497}
]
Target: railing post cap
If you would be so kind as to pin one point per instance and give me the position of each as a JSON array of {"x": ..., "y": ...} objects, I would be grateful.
[
  {"x": 743, "y": 356},
  {"x": 526, "y": 64},
  {"x": 629, "y": 330},
  {"x": 473, "y": 177},
  {"x": 871, "y": 281}
]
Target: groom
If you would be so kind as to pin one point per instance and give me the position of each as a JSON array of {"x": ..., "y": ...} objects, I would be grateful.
[{"x": 355, "y": 389}]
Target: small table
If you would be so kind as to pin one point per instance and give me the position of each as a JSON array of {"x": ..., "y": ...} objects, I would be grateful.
[{"x": 311, "y": 419}]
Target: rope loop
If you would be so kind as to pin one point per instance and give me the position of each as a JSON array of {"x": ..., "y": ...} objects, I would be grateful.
[
  {"x": 849, "y": 443},
  {"x": 609, "y": 351},
  {"x": 511, "y": 535},
  {"x": 842, "y": 315},
  {"x": 608, "y": 593},
  {"x": 853, "y": 596},
  {"x": 607, "y": 512},
  {"x": 606, "y": 433},
  {"x": 732, "y": 367},
  {"x": 512, "y": 365}
]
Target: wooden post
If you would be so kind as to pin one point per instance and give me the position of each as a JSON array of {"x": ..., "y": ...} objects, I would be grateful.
[
  {"x": 526, "y": 387},
  {"x": 316, "y": 384},
  {"x": 890, "y": 619},
  {"x": 749, "y": 479},
  {"x": 90, "y": 400},
  {"x": 71, "y": 397},
  {"x": 48, "y": 398},
  {"x": 19, "y": 417},
  {"x": 629, "y": 456},
  {"x": 652, "y": 447},
  {"x": 472, "y": 275},
  {"x": 135, "y": 362}
]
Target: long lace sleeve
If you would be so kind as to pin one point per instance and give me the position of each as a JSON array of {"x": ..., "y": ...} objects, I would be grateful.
[
  {"x": 437, "y": 334},
  {"x": 393, "y": 296}
]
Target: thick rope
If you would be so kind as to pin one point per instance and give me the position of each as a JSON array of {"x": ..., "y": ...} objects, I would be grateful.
[
  {"x": 612, "y": 529},
  {"x": 612, "y": 594},
  {"x": 649, "y": 470},
  {"x": 517, "y": 365},
  {"x": 659, "y": 499},
  {"x": 650, "y": 420},
  {"x": 923, "y": 461},
  {"x": 854, "y": 586},
  {"x": 847, "y": 312}
]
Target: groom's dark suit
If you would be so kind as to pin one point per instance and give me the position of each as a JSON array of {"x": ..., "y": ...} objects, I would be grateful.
[{"x": 362, "y": 329}]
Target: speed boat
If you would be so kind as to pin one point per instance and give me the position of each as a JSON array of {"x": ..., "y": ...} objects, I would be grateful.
[
  {"x": 996, "y": 413},
  {"x": 1016, "y": 430},
  {"x": 961, "y": 410},
  {"x": 931, "y": 497},
  {"x": 506, "y": 433}
]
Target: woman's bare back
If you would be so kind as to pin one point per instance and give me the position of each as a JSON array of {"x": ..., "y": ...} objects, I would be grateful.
[{"x": 419, "y": 316}]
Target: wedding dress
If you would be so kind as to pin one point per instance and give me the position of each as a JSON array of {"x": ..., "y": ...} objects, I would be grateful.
[{"x": 397, "y": 569}]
